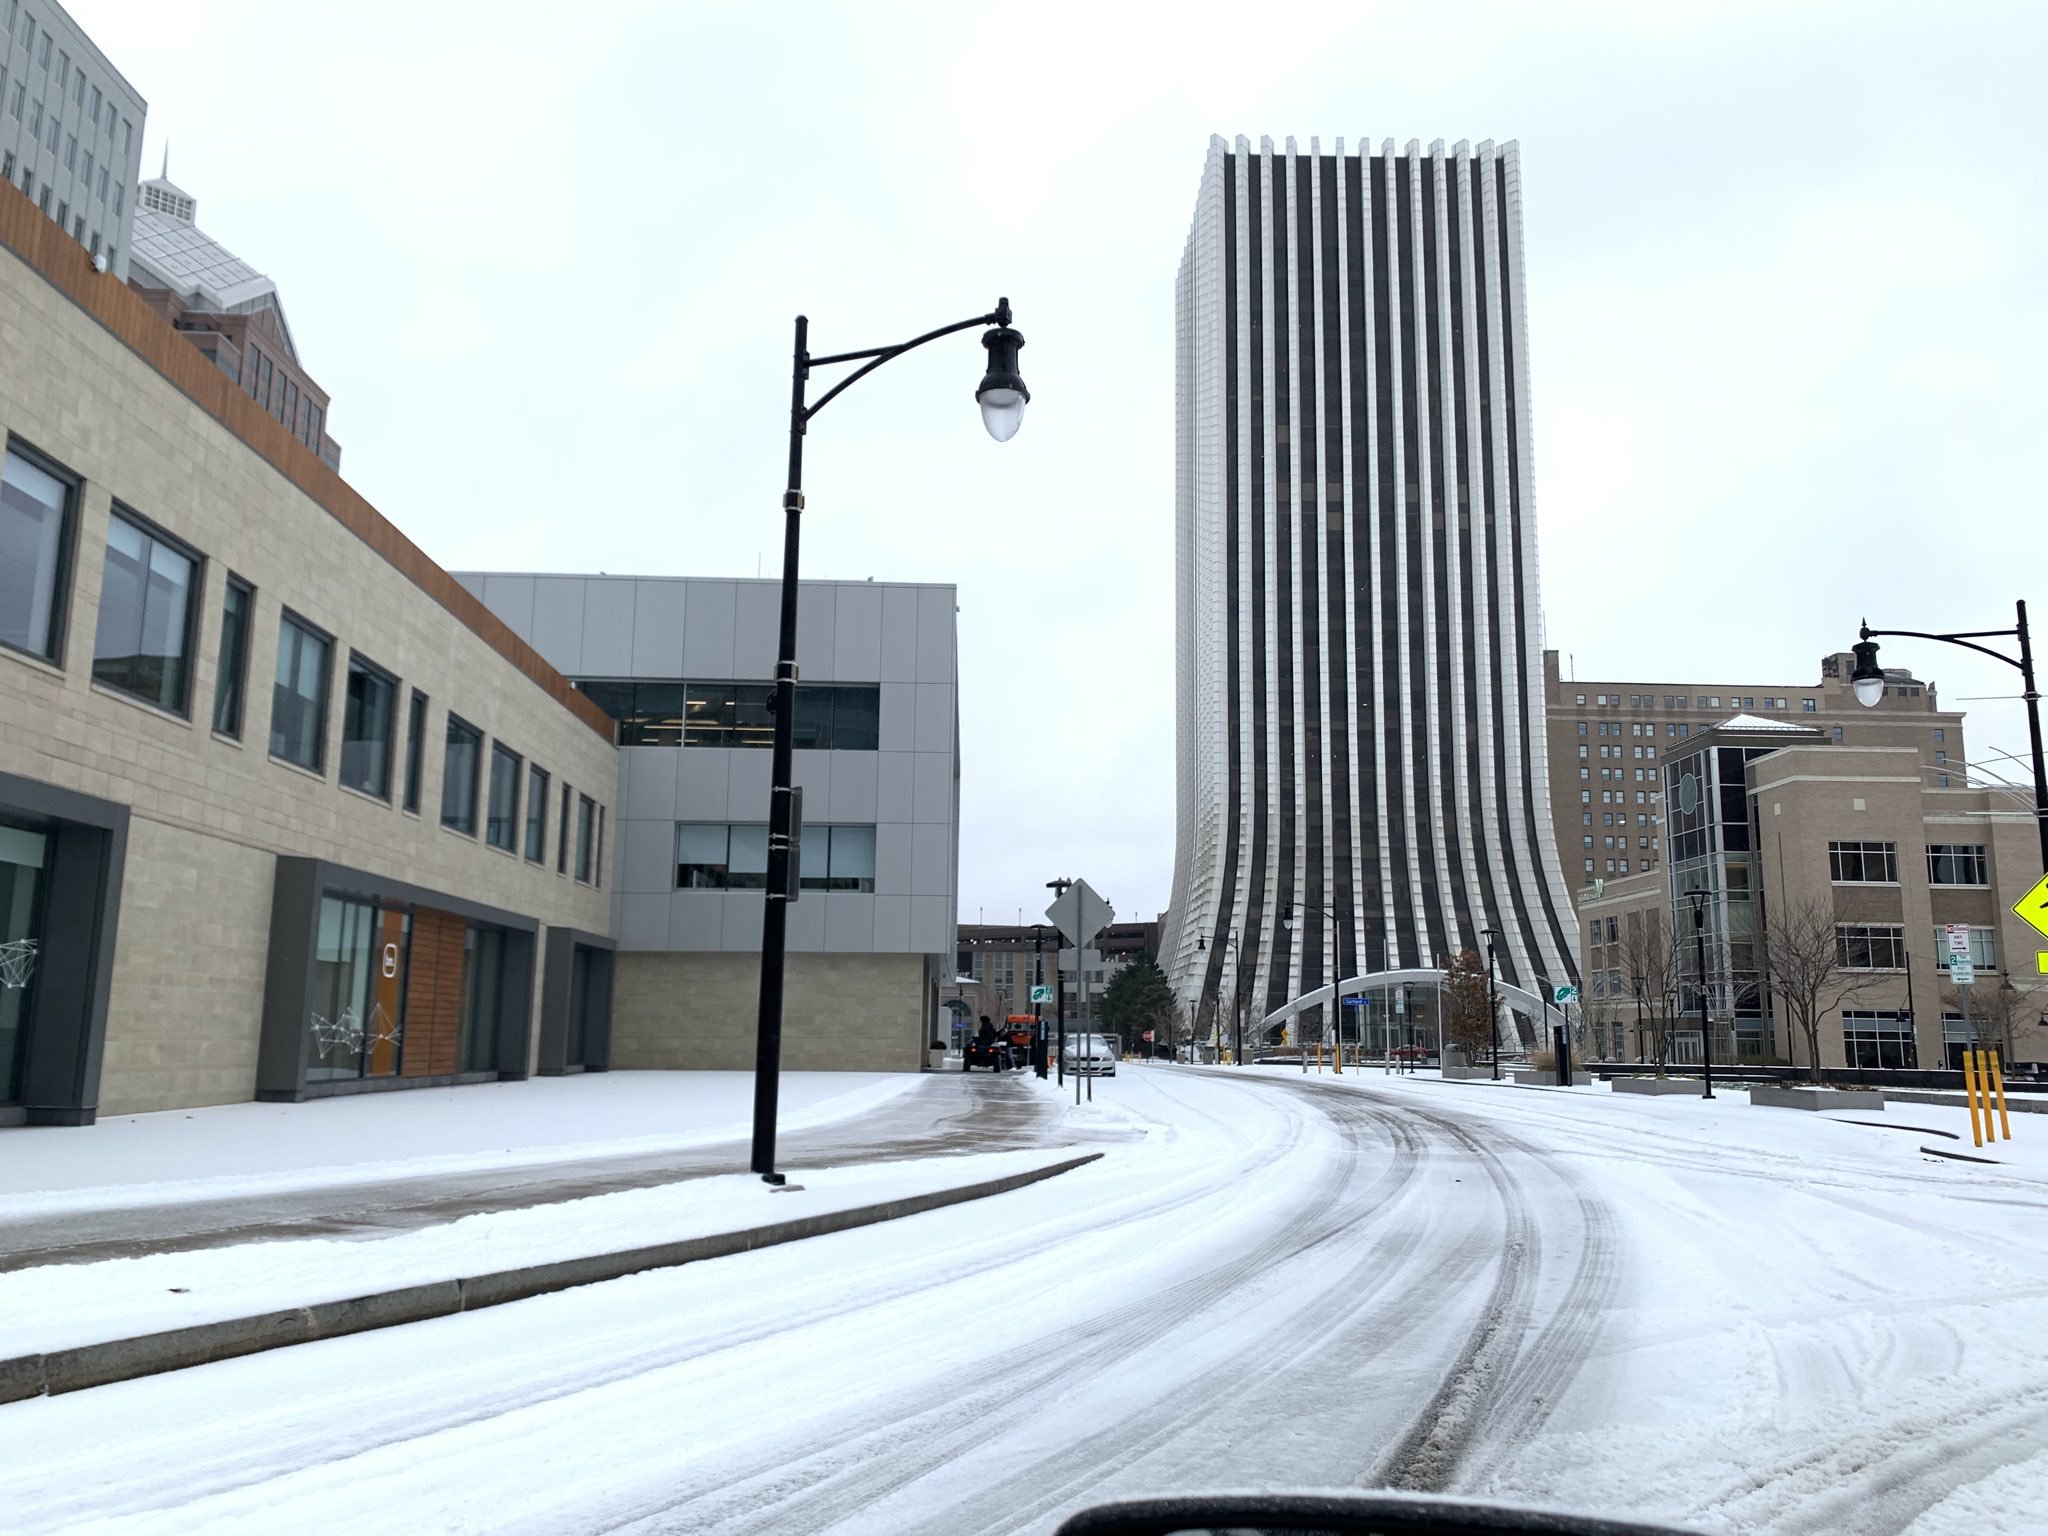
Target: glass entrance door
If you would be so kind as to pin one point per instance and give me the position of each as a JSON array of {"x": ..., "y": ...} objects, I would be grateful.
[{"x": 22, "y": 856}]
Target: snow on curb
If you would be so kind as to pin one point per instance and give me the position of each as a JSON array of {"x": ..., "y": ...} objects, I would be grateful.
[{"x": 68, "y": 1369}]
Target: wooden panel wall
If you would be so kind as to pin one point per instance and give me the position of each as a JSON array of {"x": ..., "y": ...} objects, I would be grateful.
[
  {"x": 63, "y": 263},
  {"x": 433, "y": 994}
]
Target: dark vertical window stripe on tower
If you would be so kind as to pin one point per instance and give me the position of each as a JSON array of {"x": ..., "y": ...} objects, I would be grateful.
[
  {"x": 1393, "y": 704},
  {"x": 1361, "y": 727},
  {"x": 1439, "y": 534},
  {"x": 1471, "y": 594},
  {"x": 1416, "y": 705},
  {"x": 1507, "y": 349},
  {"x": 1308, "y": 505},
  {"x": 1505, "y": 799},
  {"x": 1281, "y": 983},
  {"x": 1330, "y": 501},
  {"x": 1219, "y": 941},
  {"x": 1255, "y": 303}
]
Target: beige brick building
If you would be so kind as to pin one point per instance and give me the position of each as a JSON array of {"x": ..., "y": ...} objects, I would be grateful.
[
  {"x": 1772, "y": 816},
  {"x": 284, "y": 811},
  {"x": 1609, "y": 742}
]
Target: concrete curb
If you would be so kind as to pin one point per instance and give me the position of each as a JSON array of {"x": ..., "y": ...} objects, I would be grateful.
[
  {"x": 2018, "y": 1103},
  {"x": 111, "y": 1360}
]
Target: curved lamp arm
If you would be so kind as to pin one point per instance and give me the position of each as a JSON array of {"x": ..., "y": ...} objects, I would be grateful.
[{"x": 876, "y": 356}]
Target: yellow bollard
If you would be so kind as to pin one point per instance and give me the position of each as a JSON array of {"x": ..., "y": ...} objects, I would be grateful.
[
  {"x": 1970, "y": 1093},
  {"x": 1998, "y": 1087}
]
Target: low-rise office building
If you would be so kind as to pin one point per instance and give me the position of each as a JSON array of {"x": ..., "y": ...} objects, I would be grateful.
[
  {"x": 284, "y": 811},
  {"x": 1774, "y": 822},
  {"x": 683, "y": 667}
]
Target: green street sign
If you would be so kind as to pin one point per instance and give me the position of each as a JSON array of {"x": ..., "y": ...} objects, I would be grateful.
[
  {"x": 1041, "y": 994},
  {"x": 1565, "y": 994}
]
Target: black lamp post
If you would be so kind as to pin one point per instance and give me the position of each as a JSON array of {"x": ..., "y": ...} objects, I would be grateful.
[
  {"x": 1492, "y": 1000},
  {"x": 1868, "y": 682},
  {"x": 1699, "y": 939},
  {"x": 1335, "y": 965},
  {"x": 1002, "y": 396}
]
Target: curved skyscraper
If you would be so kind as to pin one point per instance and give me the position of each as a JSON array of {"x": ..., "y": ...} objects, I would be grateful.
[{"x": 1358, "y": 655}]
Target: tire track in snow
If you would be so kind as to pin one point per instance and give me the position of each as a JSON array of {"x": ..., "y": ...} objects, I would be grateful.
[{"x": 950, "y": 1418}]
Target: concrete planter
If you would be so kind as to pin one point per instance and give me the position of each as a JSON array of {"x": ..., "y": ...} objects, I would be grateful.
[
  {"x": 1654, "y": 1085},
  {"x": 1466, "y": 1074},
  {"x": 1817, "y": 1098},
  {"x": 1536, "y": 1077}
]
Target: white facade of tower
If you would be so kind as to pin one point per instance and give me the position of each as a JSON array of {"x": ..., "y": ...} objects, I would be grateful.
[{"x": 1359, "y": 663}]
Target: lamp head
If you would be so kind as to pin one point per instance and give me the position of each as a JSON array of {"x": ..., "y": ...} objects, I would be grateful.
[
  {"x": 1867, "y": 679},
  {"x": 1002, "y": 393}
]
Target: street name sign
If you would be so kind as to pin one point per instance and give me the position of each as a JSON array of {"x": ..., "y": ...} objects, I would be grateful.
[
  {"x": 1080, "y": 914},
  {"x": 2033, "y": 907}
]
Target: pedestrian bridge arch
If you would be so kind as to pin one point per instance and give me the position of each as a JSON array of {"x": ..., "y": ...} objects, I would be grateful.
[{"x": 1521, "y": 999}]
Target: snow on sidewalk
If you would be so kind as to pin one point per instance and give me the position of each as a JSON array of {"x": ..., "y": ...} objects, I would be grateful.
[
  {"x": 61, "y": 1306},
  {"x": 229, "y": 1150}
]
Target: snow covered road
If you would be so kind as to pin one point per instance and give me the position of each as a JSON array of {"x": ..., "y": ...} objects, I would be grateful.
[{"x": 1728, "y": 1317}]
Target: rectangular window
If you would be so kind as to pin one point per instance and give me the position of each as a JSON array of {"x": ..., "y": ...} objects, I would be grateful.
[
  {"x": 501, "y": 821},
  {"x": 298, "y": 701},
  {"x": 144, "y": 644},
  {"x": 1983, "y": 948},
  {"x": 461, "y": 762},
  {"x": 231, "y": 675},
  {"x": 1940, "y": 734},
  {"x": 415, "y": 749},
  {"x": 1957, "y": 864},
  {"x": 736, "y": 714},
  {"x": 562, "y": 836},
  {"x": 35, "y": 525},
  {"x": 1863, "y": 863},
  {"x": 838, "y": 858},
  {"x": 1877, "y": 1040},
  {"x": 1870, "y": 946},
  {"x": 369, "y": 718},
  {"x": 536, "y": 815},
  {"x": 586, "y": 832},
  {"x": 597, "y": 877}
]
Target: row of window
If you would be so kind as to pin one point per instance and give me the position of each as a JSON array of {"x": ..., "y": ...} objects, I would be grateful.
[
  {"x": 1641, "y": 753},
  {"x": 71, "y": 82},
  {"x": 829, "y": 717},
  {"x": 1882, "y": 947},
  {"x": 1690, "y": 701},
  {"x": 720, "y": 856},
  {"x": 62, "y": 212},
  {"x": 1866, "y": 863},
  {"x": 145, "y": 646},
  {"x": 1620, "y": 867},
  {"x": 279, "y": 394}
]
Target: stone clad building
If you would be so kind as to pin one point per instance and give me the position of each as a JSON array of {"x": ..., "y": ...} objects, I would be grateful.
[{"x": 284, "y": 810}]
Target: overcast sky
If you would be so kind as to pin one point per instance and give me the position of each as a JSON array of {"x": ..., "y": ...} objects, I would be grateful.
[{"x": 1785, "y": 286}]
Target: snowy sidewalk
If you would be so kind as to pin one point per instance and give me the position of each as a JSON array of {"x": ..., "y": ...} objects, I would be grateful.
[{"x": 247, "y": 1172}]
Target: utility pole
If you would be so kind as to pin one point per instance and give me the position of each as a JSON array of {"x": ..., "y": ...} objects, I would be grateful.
[{"x": 1059, "y": 888}]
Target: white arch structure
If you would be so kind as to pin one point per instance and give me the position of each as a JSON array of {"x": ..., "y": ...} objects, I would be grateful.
[{"x": 1522, "y": 999}]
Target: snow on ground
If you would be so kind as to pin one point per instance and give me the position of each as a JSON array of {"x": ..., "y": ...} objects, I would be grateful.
[
  {"x": 251, "y": 1149},
  {"x": 58, "y": 1306},
  {"x": 1730, "y": 1318}
]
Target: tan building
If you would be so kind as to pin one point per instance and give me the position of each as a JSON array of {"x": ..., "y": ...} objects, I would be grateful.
[
  {"x": 1609, "y": 743},
  {"x": 1771, "y": 817},
  {"x": 284, "y": 811}
]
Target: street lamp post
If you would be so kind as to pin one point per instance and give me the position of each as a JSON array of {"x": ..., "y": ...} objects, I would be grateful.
[
  {"x": 1699, "y": 939},
  {"x": 1868, "y": 683},
  {"x": 1492, "y": 999},
  {"x": 1002, "y": 396},
  {"x": 1335, "y": 965}
]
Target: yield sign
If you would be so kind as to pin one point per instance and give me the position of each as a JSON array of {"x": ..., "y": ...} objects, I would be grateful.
[
  {"x": 1080, "y": 914},
  {"x": 2033, "y": 907}
]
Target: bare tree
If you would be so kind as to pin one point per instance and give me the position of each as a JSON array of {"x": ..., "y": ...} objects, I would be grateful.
[
  {"x": 1993, "y": 1010},
  {"x": 1470, "y": 1023},
  {"x": 1804, "y": 956},
  {"x": 1649, "y": 971}
]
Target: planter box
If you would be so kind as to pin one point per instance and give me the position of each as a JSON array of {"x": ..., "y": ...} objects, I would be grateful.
[
  {"x": 1654, "y": 1085},
  {"x": 1817, "y": 1098},
  {"x": 1462, "y": 1074},
  {"x": 1536, "y": 1077}
]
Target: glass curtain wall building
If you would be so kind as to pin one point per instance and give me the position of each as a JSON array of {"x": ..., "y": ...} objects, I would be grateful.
[{"x": 1358, "y": 657}]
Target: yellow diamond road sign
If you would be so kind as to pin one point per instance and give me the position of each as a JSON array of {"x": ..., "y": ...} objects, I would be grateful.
[{"x": 2033, "y": 907}]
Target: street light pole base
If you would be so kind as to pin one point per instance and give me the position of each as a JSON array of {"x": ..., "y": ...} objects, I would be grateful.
[{"x": 773, "y": 1178}]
